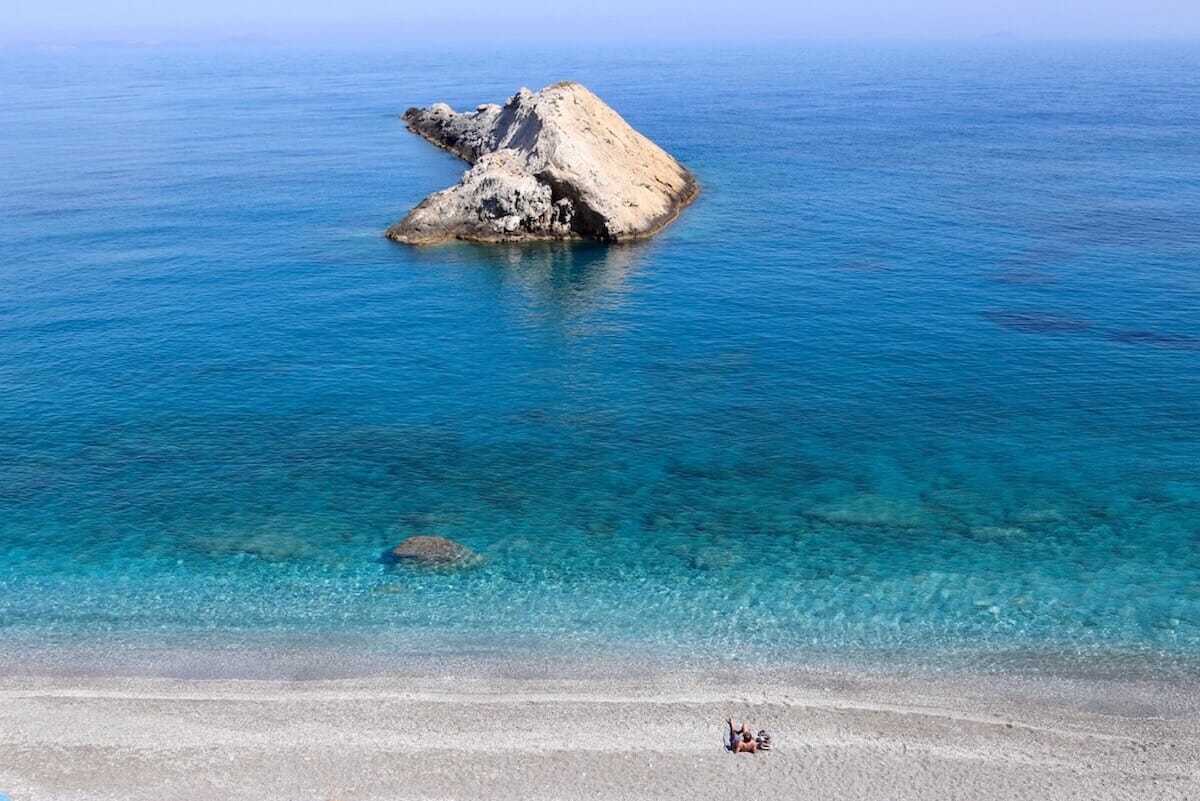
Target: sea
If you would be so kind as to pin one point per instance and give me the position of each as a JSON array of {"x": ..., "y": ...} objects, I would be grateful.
[{"x": 914, "y": 383}]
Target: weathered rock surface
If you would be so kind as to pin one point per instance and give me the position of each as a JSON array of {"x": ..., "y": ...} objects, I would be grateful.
[
  {"x": 433, "y": 552},
  {"x": 553, "y": 164}
]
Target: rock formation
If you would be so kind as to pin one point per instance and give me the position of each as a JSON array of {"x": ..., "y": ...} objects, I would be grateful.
[
  {"x": 433, "y": 552},
  {"x": 553, "y": 164}
]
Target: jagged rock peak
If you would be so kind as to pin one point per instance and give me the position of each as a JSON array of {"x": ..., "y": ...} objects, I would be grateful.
[{"x": 554, "y": 164}]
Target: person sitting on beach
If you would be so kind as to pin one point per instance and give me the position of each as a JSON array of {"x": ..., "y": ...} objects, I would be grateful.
[{"x": 741, "y": 740}]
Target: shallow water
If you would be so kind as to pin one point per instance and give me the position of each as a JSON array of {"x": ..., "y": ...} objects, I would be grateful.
[{"x": 918, "y": 375}]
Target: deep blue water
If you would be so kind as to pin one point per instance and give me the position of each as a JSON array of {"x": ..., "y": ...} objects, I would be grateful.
[{"x": 918, "y": 375}]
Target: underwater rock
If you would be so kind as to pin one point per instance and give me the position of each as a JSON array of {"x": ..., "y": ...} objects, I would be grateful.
[
  {"x": 283, "y": 544},
  {"x": 433, "y": 552},
  {"x": 1042, "y": 516},
  {"x": 1156, "y": 339},
  {"x": 713, "y": 559},
  {"x": 869, "y": 509},
  {"x": 554, "y": 164},
  {"x": 997, "y": 533},
  {"x": 1038, "y": 322}
]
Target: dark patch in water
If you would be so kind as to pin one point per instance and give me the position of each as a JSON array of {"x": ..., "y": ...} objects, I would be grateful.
[
  {"x": 1136, "y": 224},
  {"x": 1156, "y": 339},
  {"x": 867, "y": 266},
  {"x": 1038, "y": 322},
  {"x": 1028, "y": 267},
  {"x": 1022, "y": 277},
  {"x": 1039, "y": 256}
]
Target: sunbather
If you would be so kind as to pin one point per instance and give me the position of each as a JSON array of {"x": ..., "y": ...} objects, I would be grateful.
[{"x": 741, "y": 740}]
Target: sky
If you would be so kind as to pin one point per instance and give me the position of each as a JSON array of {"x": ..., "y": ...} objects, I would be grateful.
[{"x": 465, "y": 21}]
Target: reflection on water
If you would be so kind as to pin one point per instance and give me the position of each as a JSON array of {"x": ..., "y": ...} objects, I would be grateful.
[{"x": 568, "y": 277}]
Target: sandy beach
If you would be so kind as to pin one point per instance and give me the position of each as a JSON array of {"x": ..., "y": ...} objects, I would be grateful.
[{"x": 461, "y": 737}]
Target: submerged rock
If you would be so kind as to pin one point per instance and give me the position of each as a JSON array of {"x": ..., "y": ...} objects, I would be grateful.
[
  {"x": 433, "y": 552},
  {"x": 997, "y": 533},
  {"x": 712, "y": 559},
  {"x": 869, "y": 509},
  {"x": 554, "y": 164},
  {"x": 1038, "y": 322},
  {"x": 1156, "y": 339}
]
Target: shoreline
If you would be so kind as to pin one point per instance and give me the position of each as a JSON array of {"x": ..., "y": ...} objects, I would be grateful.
[
  {"x": 322, "y": 655},
  {"x": 463, "y": 734}
]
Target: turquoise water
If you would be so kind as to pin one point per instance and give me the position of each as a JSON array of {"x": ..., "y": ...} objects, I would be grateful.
[{"x": 918, "y": 375}]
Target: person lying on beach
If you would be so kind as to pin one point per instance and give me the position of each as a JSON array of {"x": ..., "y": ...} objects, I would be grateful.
[{"x": 741, "y": 741}]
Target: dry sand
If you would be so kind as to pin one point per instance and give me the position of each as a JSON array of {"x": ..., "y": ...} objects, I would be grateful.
[{"x": 431, "y": 737}]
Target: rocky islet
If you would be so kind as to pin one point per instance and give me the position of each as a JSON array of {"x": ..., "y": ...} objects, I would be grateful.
[{"x": 554, "y": 164}]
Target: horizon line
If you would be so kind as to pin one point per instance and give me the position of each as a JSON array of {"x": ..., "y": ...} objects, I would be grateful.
[{"x": 258, "y": 40}]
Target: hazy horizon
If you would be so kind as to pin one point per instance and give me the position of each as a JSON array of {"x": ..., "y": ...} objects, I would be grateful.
[{"x": 77, "y": 22}]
